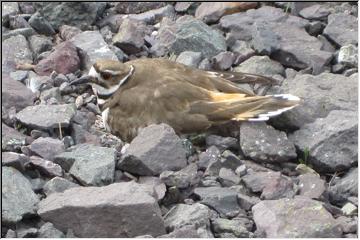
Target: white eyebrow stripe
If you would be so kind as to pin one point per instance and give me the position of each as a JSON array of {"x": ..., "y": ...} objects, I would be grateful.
[
  {"x": 112, "y": 72},
  {"x": 127, "y": 76}
]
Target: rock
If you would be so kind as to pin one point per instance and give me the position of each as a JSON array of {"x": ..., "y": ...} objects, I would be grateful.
[
  {"x": 272, "y": 185},
  {"x": 342, "y": 29},
  {"x": 311, "y": 185},
  {"x": 222, "y": 200},
  {"x": 242, "y": 51},
  {"x": 64, "y": 59},
  {"x": 241, "y": 170},
  {"x": 223, "y": 60},
  {"x": 331, "y": 141},
  {"x": 349, "y": 209},
  {"x": 188, "y": 34},
  {"x": 40, "y": 44},
  {"x": 196, "y": 215},
  {"x": 79, "y": 14},
  {"x": 137, "y": 7},
  {"x": 85, "y": 165},
  {"x": 222, "y": 143},
  {"x": 304, "y": 218},
  {"x": 10, "y": 234},
  {"x": 347, "y": 186},
  {"x": 315, "y": 12},
  {"x": 321, "y": 94},
  {"x": 315, "y": 28},
  {"x": 19, "y": 75},
  {"x": 27, "y": 232},
  {"x": 187, "y": 231},
  {"x": 93, "y": 47},
  {"x": 26, "y": 32},
  {"x": 189, "y": 58},
  {"x": 15, "y": 94},
  {"x": 11, "y": 140},
  {"x": 212, "y": 154},
  {"x": 15, "y": 160},
  {"x": 348, "y": 55},
  {"x": 18, "y": 21},
  {"x": 46, "y": 117},
  {"x": 233, "y": 227},
  {"x": 263, "y": 143},
  {"x": 38, "y": 83},
  {"x": 49, "y": 231},
  {"x": 211, "y": 12},
  {"x": 153, "y": 16},
  {"x": 47, "y": 147},
  {"x": 67, "y": 32},
  {"x": 181, "y": 179},
  {"x": 227, "y": 177},
  {"x": 205, "y": 64},
  {"x": 45, "y": 167},
  {"x": 15, "y": 50},
  {"x": 183, "y": 6},
  {"x": 41, "y": 25},
  {"x": 304, "y": 169},
  {"x": 94, "y": 211},
  {"x": 58, "y": 185},
  {"x": 17, "y": 197},
  {"x": 155, "y": 183},
  {"x": 8, "y": 9},
  {"x": 155, "y": 149},
  {"x": 347, "y": 224},
  {"x": 326, "y": 45},
  {"x": 112, "y": 21},
  {"x": 261, "y": 65},
  {"x": 246, "y": 202},
  {"x": 130, "y": 37}
]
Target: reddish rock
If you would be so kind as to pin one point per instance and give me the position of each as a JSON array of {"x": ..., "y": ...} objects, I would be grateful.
[
  {"x": 67, "y": 32},
  {"x": 63, "y": 60}
]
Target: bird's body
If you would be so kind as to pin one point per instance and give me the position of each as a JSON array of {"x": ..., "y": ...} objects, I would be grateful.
[{"x": 141, "y": 92}]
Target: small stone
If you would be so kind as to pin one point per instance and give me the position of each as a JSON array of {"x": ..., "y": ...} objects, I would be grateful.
[
  {"x": 45, "y": 167},
  {"x": 189, "y": 58},
  {"x": 40, "y": 44},
  {"x": 47, "y": 147},
  {"x": 41, "y": 25},
  {"x": 223, "y": 61},
  {"x": 15, "y": 50},
  {"x": 315, "y": 12},
  {"x": 222, "y": 143},
  {"x": 241, "y": 170},
  {"x": 212, "y": 154},
  {"x": 261, "y": 65},
  {"x": 49, "y": 231},
  {"x": 342, "y": 29},
  {"x": 233, "y": 227},
  {"x": 310, "y": 185},
  {"x": 27, "y": 233},
  {"x": 348, "y": 55},
  {"x": 228, "y": 178},
  {"x": 154, "y": 182},
  {"x": 11, "y": 140},
  {"x": 349, "y": 209},
  {"x": 10, "y": 234},
  {"x": 37, "y": 184},
  {"x": 205, "y": 64},
  {"x": 246, "y": 202},
  {"x": 181, "y": 179},
  {"x": 67, "y": 32},
  {"x": 58, "y": 185},
  {"x": 19, "y": 75},
  {"x": 348, "y": 225},
  {"x": 15, "y": 160}
]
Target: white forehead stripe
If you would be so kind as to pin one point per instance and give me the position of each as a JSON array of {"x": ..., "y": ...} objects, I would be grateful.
[{"x": 93, "y": 73}]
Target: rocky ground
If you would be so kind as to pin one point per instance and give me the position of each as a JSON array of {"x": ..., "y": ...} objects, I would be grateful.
[{"x": 293, "y": 176}]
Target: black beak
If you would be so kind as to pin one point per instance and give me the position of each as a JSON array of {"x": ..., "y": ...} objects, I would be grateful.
[{"x": 82, "y": 80}]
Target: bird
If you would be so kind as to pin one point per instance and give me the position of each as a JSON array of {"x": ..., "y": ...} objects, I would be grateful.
[{"x": 145, "y": 91}]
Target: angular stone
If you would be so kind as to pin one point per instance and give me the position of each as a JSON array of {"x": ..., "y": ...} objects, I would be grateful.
[
  {"x": 348, "y": 225},
  {"x": 261, "y": 65},
  {"x": 342, "y": 29},
  {"x": 89, "y": 164},
  {"x": 155, "y": 149},
  {"x": 331, "y": 141},
  {"x": 348, "y": 55},
  {"x": 64, "y": 59},
  {"x": 49, "y": 231},
  {"x": 212, "y": 154},
  {"x": 233, "y": 227},
  {"x": 304, "y": 218},
  {"x": 130, "y": 37},
  {"x": 37, "y": 83},
  {"x": 311, "y": 185},
  {"x": 315, "y": 12},
  {"x": 153, "y": 16},
  {"x": 181, "y": 179},
  {"x": 223, "y": 200},
  {"x": 189, "y": 58},
  {"x": 26, "y": 32},
  {"x": 58, "y": 185},
  {"x": 242, "y": 51},
  {"x": 137, "y": 7},
  {"x": 17, "y": 198},
  {"x": 263, "y": 143},
  {"x": 223, "y": 60},
  {"x": 184, "y": 215},
  {"x": 94, "y": 211},
  {"x": 46, "y": 167},
  {"x": 93, "y": 47},
  {"x": 155, "y": 183},
  {"x": 27, "y": 232},
  {"x": 187, "y": 231},
  {"x": 47, "y": 147},
  {"x": 15, "y": 160},
  {"x": 19, "y": 75},
  {"x": 41, "y": 25},
  {"x": 46, "y": 117},
  {"x": 222, "y": 143},
  {"x": 349, "y": 209},
  {"x": 246, "y": 202},
  {"x": 8, "y": 9},
  {"x": 188, "y": 34},
  {"x": 228, "y": 178},
  {"x": 11, "y": 140},
  {"x": 347, "y": 186},
  {"x": 40, "y": 44}
]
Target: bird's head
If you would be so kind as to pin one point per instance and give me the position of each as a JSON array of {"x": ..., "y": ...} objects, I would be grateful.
[{"x": 106, "y": 77}]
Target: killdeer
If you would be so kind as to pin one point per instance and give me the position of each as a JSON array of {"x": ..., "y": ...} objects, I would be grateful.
[{"x": 141, "y": 92}]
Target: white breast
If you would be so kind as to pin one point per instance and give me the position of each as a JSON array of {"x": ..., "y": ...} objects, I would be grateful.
[{"x": 105, "y": 115}]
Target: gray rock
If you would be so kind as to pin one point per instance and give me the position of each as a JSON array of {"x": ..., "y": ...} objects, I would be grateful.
[
  {"x": 348, "y": 55},
  {"x": 15, "y": 160},
  {"x": 222, "y": 200},
  {"x": 40, "y": 44},
  {"x": 342, "y": 29},
  {"x": 27, "y": 232},
  {"x": 263, "y": 143},
  {"x": 183, "y": 215},
  {"x": 15, "y": 94},
  {"x": 155, "y": 149},
  {"x": 246, "y": 202},
  {"x": 18, "y": 199},
  {"x": 79, "y": 14},
  {"x": 223, "y": 60},
  {"x": 272, "y": 185},
  {"x": 11, "y": 140},
  {"x": 188, "y": 34},
  {"x": 233, "y": 227},
  {"x": 228, "y": 178},
  {"x": 130, "y": 37},
  {"x": 187, "y": 231},
  {"x": 94, "y": 211},
  {"x": 212, "y": 154},
  {"x": 320, "y": 94},
  {"x": 41, "y": 25},
  {"x": 331, "y": 141},
  {"x": 93, "y": 46},
  {"x": 304, "y": 218},
  {"x": 348, "y": 225},
  {"x": 8, "y": 9},
  {"x": 183, "y": 6},
  {"x": 45, "y": 167},
  {"x": 315, "y": 12},
  {"x": 137, "y": 7},
  {"x": 10, "y": 234},
  {"x": 26, "y": 32},
  {"x": 155, "y": 183},
  {"x": 19, "y": 75},
  {"x": 205, "y": 64},
  {"x": 58, "y": 185},
  {"x": 261, "y": 65},
  {"x": 349, "y": 209},
  {"x": 49, "y": 231},
  {"x": 153, "y": 16},
  {"x": 242, "y": 51},
  {"x": 46, "y": 117},
  {"x": 37, "y": 83},
  {"x": 222, "y": 143},
  {"x": 67, "y": 32},
  {"x": 181, "y": 179},
  {"x": 47, "y": 147},
  {"x": 189, "y": 58},
  {"x": 89, "y": 164},
  {"x": 347, "y": 186},
  {"x": 315, "y": 28},
  {"x": 15, "y": 50},
  {"x": 326, "y": 45},
  {"x": 311, "y": 185}
]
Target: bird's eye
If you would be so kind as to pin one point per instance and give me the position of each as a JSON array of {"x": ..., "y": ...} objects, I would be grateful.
[{"x": 105, "y": 75}]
